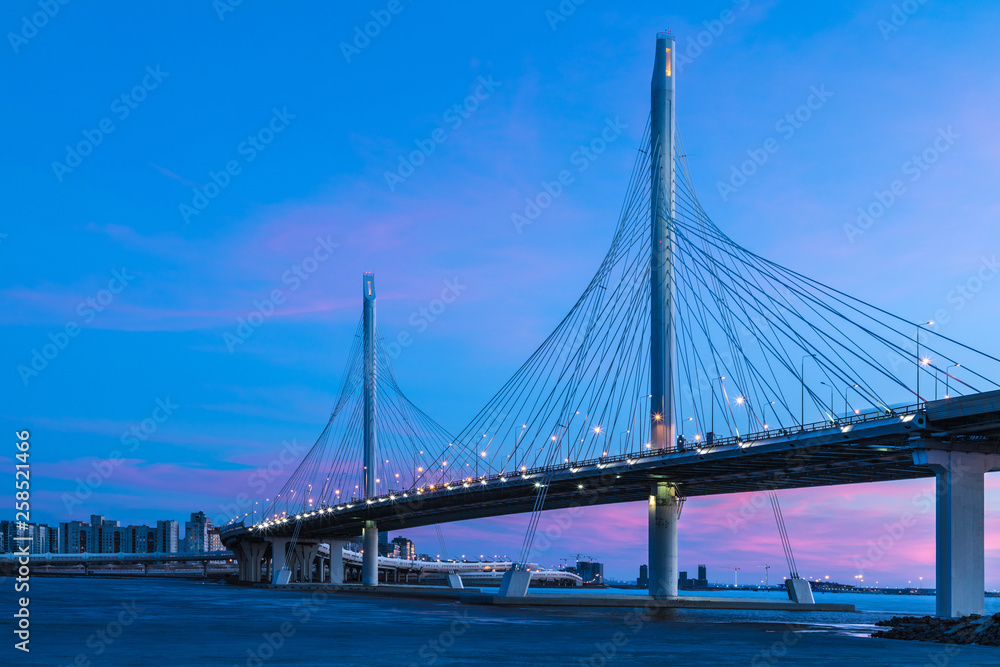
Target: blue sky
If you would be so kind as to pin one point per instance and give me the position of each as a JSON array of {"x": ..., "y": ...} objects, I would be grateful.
[{"x": 308, "y": 134}]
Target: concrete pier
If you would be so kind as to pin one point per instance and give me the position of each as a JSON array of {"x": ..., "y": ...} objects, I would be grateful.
[
  {"x": 369, "y": 562},
  {"x": 279, "y": 572},
  {"x": 336, "y": 561},
  {"x": 664, "y": 512},
  {"x": 961, "y": 572}
]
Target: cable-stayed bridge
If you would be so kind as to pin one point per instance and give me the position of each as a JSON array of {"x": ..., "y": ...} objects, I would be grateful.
[{"x": 688, "y": 366}]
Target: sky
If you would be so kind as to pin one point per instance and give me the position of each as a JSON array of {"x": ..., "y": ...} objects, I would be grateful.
[{"x": 170, "y": 171}]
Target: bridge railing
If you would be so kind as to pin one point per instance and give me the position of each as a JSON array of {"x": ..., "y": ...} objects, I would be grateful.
[{"x": 701, "y": 447}]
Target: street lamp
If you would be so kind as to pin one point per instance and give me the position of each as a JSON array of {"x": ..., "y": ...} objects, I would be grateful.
[
  {"x": 743, "y": 401},
  {"x": 765, "y": 414},
  {"x": 833, "y": 416},
  {"x": 947, "y": 384},
  {"x": 720, "y": 379},
  {"x": 802, "y": 377},
  {"x": 682, "y": 439},
  {"x": 919, "y": 326},
  {"x": 847, "y": 407}
]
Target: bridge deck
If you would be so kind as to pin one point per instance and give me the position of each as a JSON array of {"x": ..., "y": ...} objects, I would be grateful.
[{"x": 868, "y": 448}]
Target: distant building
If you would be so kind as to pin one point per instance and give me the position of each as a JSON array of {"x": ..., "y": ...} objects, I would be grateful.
[
  {"x": 55, "y": 540},
  {"x": 196, "y": 531},
  {"x": 643, "y": 580},
  {"x": 700, "y": 582},
  {"x": 214, "y": 541},
  {"x": 403, "y": 548},
  {"x": 74, "y": 537},
  {"x": 94, "y": 534},
  {"x": 106, "y": 536},
  {"x": 167, "y": 537},
  {"x": 114, "y": 538},
  {"x": 141, "y": 539},
  {"x": 385, "y": 548},
  {"x": 36, "y": 537},
  {"x": 7, "y": 532},
  {"x": 591, "y": 572}
]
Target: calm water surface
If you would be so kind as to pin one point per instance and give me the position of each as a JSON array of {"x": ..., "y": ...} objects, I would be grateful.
[{"x": 162, "y": 622}]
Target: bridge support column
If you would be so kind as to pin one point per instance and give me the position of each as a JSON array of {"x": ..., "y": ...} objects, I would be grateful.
[
  {"x": 664, "y": 512},
  {"x": 302, "y": 561},
  {"x": 961, "y": 577},
  {"x": 279, "y": 568},
  {"x": 249, "y": 555},
  {"x": 369, "y": 559},
  {"x": 336, "y": 561}
]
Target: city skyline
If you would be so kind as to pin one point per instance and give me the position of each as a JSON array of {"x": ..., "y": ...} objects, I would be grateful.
[{"x": 187, "y": 403}]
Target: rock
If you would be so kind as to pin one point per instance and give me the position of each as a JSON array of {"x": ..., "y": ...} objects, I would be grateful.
[{"x": 972, "y": 629}]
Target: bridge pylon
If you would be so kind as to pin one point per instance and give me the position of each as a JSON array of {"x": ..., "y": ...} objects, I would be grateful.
[
  {"x": 663, "y": 502},
  {"x": 369, "y": 564}
]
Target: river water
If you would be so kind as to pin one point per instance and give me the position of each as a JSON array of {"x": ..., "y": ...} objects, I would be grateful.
[{"x": 82, "y": 622}]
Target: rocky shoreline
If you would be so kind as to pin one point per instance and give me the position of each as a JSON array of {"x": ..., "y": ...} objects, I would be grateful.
[{"x": 974, "y": 629}]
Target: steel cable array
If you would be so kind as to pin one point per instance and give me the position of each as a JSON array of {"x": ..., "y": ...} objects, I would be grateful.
[{"x": 758, "y": 347}]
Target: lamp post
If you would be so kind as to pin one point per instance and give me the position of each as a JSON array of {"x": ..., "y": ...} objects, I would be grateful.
[
  {"x": 947, "y": 378},
  {"x": 802, "y": 377},
  {"x": 846, "y": 406},
  {"x": 833, "y": 416},
  {"x": 919, "y": 326},
  {"x": 720, "y": 379},
  {"x": 740, "y": 400},
  {"x": 682, "y": 424}
]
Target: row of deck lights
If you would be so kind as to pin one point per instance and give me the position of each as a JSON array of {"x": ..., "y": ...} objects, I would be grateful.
[{"x": 449, "y": 486}]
